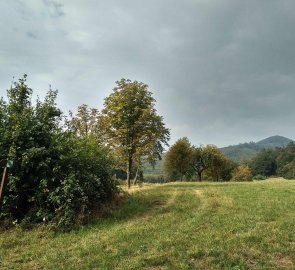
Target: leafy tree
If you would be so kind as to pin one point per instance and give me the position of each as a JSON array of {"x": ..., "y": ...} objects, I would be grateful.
[
  {"x": 242, "y": 173},
  {"x": 85, "y": 122},
  {"x": 178, "y": 159},
  {"x": 130, "y": 124},
  {"x": 198, "y": 161},
  {"x": 284, "y": 156},
  {"x": 228, "y": 167},
  {"x": 214, "y": 160},
  {"x": 288, "y": 170},
  {"x": 264, "y": 163}
]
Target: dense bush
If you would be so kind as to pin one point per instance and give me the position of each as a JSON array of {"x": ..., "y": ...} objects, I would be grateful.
[
  {"x": 57, "y": 176},
  {"x": 242, "y": 173}
]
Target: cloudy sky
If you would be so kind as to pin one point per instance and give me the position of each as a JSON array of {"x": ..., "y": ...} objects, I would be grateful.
[{"x": 222, "y": 71}]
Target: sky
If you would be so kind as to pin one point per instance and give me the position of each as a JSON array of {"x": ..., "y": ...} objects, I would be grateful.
[{"x": 222, "y": 71}]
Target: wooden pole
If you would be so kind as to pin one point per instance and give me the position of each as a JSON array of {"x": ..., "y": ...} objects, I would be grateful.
[{"x": 3, "y": 184}]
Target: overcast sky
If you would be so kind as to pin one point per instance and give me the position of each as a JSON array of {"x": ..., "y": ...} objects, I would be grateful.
[{"x": 222, "y": 72}]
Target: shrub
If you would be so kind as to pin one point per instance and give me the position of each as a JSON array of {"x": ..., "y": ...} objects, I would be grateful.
[
  {"x": 57, "y": 176},
  {"x": 242, "y": 173},
  {"x": 259, "y": 177}
]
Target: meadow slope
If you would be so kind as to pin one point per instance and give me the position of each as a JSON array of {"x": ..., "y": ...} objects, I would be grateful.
[{"x": 172, "y": 226}]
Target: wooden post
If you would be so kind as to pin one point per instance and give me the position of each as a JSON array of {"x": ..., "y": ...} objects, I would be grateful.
[{"x": 3, "y": 184}]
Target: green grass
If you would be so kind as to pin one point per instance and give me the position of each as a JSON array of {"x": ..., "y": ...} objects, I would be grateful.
[{"x": 172, "y": 226}]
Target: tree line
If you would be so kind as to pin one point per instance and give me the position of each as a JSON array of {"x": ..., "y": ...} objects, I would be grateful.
[
  {"x": 184, "y": 161},
  {"x": 279, "y": 161}
]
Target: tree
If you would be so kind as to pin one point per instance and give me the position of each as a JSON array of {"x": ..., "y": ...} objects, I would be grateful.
[
  {"x": 85, "y": 122},
  {"x": 211, "y": 160},
  {"x": 198, "y": 162},
  {"x": 130, "y": 124},
  {"x": 264, "y": 163},
  {"x": 242, "y": 173},
  {"x": 284, "y": 156},
  {"x": 214, "y": 161},
  {"x": 178, "y": 159}
]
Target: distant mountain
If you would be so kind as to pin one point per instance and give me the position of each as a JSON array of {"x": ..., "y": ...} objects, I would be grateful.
[
  {"x": 274, "y": 141},
  {"x": 246, "y": 151}
]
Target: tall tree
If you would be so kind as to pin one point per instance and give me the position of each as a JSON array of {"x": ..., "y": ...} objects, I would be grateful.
[
  {"x": 131, "y": 125},
  {"x": 178, "y": 159}
]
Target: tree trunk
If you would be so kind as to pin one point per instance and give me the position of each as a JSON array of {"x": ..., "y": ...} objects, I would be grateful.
[
  {"x": 129, "y": 168},
  {"x": 200, "y": 176},
  {"x": 136, "y": 175}
]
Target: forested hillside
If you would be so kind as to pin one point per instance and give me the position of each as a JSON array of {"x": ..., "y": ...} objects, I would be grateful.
[{"x": 246, "y": 151}]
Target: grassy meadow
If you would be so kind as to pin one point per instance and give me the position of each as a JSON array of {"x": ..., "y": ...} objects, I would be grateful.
[{"x": 172, "y": 226}]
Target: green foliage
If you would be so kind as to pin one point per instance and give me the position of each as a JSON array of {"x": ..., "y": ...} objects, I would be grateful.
[
  {"x": 218, "y": 168},
  {"x": 278, "y": 161},
  {"x": 85, "y": 122},
  {"x": 207, "y": 162},
  {"x": 210, "y": 162},
  {"x": 284, "y": 158},
  {"x": 85, "y": 180},
  {"x": 178, "y": 160},
  {"x": 288, "y": 170},
  {"x": 57, "y": 176},
  {"x": 131, "y": 126},
  {"x": 264, "y": 163},
  {"x": 242, "y": 173}
]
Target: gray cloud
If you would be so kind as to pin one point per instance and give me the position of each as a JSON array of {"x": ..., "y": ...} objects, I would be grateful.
[{"x": 222, "y": 71}]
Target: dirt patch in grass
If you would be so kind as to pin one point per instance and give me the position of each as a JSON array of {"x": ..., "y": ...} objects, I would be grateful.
[{"x": 282, "y": 261}]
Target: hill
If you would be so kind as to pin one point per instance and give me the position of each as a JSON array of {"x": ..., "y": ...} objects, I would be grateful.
[
  {"x": 274, "y": 141},
  {"x": 246, "y": 151},
  {"x": 172, "y": 226}
]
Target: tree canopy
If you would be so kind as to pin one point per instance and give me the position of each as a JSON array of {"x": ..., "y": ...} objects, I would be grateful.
[
  {"x": 130, "y": 124},
  {"x": 178, "y": 159}
]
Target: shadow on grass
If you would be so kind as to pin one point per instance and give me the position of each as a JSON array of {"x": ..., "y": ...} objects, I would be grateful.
[
  {"x": 134, "y": 206},
  {"x": 195, "y": 185}
]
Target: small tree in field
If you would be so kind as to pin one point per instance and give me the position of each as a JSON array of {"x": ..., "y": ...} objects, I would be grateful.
[
  {"x": 178, "y": 160},
  {"x": 130, "y": 124},
  {"x": 242, "y": 173}
]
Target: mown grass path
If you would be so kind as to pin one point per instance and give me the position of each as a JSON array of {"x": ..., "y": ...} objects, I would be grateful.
[{"x": 172, "y": 226}]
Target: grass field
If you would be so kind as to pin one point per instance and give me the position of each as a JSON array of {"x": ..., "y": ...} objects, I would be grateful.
[{"x": 172, "y": 226}]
